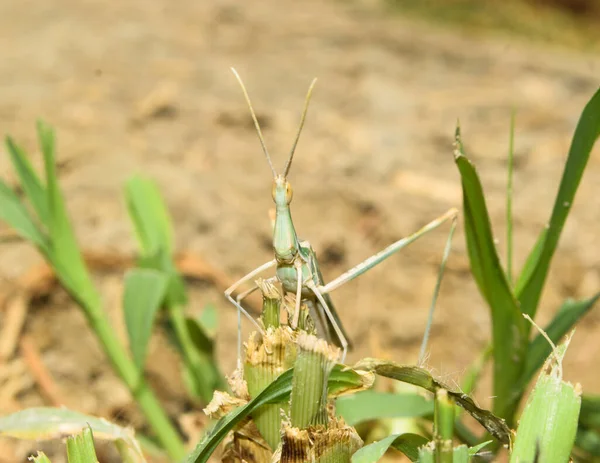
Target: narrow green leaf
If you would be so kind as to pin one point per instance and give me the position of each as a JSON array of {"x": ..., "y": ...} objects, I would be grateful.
[
  {"x": 422, "y": 378},
  {"x": 341, "y": 380},
  {"x": 31, "y": 183},
  {"x": 80, "y": 447},
  {"x": 65, "y": 255},
  {"x": 476, "y": 448},
  {"x": 209, "y": 320},
  {"x": 530, "y": 264},
  {"x": 150, "y": 217},
  {"x": 143, "y": 296},
  {"x": 372, "y": 405},
  {"x": 199, "y": 336},
  {"x": 407, "y": 443},
  {"x": 509, "y": 331},
  {"x": 16, "y": 215},
  {"x": 54, "y": 423},
  {"x": 567, "y": 316},
  {"x": 586, "y": 134},
  {"x": 509, "y": 191}
]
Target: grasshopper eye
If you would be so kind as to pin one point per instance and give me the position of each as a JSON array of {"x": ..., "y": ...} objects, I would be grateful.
[
  {"x": 274, "y": 191},
  {"x": 288, "y": 193}
]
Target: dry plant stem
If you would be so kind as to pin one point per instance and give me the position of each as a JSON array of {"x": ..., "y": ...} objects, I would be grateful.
[
  {"x": 246, "y": 446},
  {"x": 318, "y": 444},
  {"x": 42, "y": 376}
]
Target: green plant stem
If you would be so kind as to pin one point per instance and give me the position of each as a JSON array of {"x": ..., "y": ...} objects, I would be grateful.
[
  {"x": 443, "y": 426},
  {"x": 135, "y": 382},
  {"x": 196, "y": 362}
]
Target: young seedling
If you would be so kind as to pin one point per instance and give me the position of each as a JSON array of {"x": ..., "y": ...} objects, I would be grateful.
[{"x": 297, "y": 268}]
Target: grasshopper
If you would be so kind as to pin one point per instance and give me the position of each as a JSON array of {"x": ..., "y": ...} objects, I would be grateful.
[{"x": 295, "y": 262}]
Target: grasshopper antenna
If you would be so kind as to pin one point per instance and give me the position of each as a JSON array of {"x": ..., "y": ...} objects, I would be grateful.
[
  {"x": 303, "y": 118},
  {"x": 255, "y": 119}
]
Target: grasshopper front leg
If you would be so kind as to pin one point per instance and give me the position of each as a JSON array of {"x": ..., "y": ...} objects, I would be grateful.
[{"x": 236, "y": 302}]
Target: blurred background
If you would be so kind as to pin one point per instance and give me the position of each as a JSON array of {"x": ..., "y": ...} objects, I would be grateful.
[{"x": 145, "y": 87}]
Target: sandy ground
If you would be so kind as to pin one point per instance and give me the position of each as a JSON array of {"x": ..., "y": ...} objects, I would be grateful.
[{"x": 144, "y": 87}]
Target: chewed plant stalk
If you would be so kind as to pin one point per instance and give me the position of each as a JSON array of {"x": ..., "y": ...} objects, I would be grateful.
[
  {"x": 548, "y": 425},
  {"x": 313, "y": 433},
  {"x": 267, "y": 357},
  {"x": 271, "y": 303}
]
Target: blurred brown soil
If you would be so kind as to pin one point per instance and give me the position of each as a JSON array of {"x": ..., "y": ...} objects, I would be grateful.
[{"x": 145, "y": 87}]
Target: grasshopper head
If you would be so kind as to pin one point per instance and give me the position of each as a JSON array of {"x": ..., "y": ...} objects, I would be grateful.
[{"x": 282, "y": 191}]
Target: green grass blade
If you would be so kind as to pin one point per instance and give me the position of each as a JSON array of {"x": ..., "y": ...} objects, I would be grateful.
[
  {"x": 209, "y": 320},
  {"x": 14, "y": 213},
  {"x": 509, "y": 332},
  {"x": 54, "y": 423},
  {"x": 509, "y": 191},
  {"x": 372, "y": 405},
  {"x": 341, "y": 380},
  {"x": 477, "y": 448},
  {"x": 65, "y": 254},
  {"x": 407, "y": 443},
  {"x": 31, "y": 183},
  {"x": 150, "y": 217},
  {"x": 80, "y": 448},
  {"x": 586, "y": 134},
  {"x": 202, "y": 331},
  {"x": 153, "y": 229},
  {"x": 40, "y": 458},
  {"x": 422, "y": 378},
  {"x": 567, "y": 316},
  {"x": 144, "y": 293},
  {"x": 530, "y": 264}
]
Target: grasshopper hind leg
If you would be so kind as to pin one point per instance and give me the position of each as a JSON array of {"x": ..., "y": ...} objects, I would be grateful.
[{"x": 333, "y": 322}]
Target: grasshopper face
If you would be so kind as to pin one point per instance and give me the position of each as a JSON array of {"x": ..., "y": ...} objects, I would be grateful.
[
  {"x": 282, "y": 192},
  {"x": 285, "y": 240}
]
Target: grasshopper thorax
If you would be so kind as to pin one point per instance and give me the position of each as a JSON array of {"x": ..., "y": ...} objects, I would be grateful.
[{"x": 285, "y": 241}]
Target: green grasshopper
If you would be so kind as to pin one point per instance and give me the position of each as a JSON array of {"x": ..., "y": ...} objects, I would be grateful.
[{"x": 296, "y": 264}]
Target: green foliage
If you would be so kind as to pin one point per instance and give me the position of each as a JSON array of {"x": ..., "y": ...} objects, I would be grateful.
[
  {"x": 54, "y": 423},
  {"x": 50, "y": 230},
  {"x": 531, "y": 282},
  {"x": 153, "y": 229},
  {"x": 509, "y": 333},
  {"x": 341, "y": 380},
  {"x": 370, "y": 405},
  {"x": 143, "y": 295},
  {"x": 549, "y": 421},
  {"x": 515, "y": 359},
  {"x": 407, "y": 443},
  {"x": 80, "y": 447},
  {"x": 422, "y": 378}
]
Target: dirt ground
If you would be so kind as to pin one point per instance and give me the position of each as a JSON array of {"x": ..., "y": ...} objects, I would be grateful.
[{"x": 145, "y": 87}]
